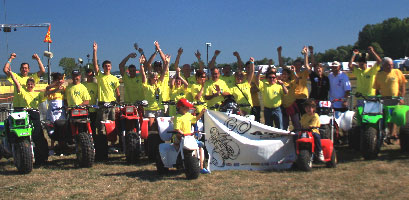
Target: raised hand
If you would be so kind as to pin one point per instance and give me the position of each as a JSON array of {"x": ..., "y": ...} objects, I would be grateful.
[
  {"x": 132, "y": 55},
  {"x": 371, "y": 49},
  {"x": 95, "y": 46},
  {"x": 311, "y": 48},
  {"x": 197, "y": 54},
  {"x": 135, "y": 45},
  {"x": 177, "y": 71},
  {"x": 167, "y": 58},
  {"x": 140, "y": 50},
  {"x": 279, "y": 49},
  {"x": 356, "y": 52},
  {"x": 236, "y": 54},
  {"x": 251, "y": 59},
  {"x": 180, "y": 51},
  {"x": 280, "y": 82},
  {"x": 35, "y": 57},
  {"x": 304, "y": 50},
  {"x": 217, "y": 52},
  {"x": 142, "y": 59},
  {"x": 13, "y": 55},
  {"x": 156, "y": 43},
  {"x": 217, "y": 88}
]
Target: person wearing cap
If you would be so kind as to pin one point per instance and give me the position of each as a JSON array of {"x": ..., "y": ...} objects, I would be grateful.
[
  {"x": 182, "y": 123},
  {"x": 365, "y": 77},
  {"x": 340, "y": 87},
  {"x": 319, "y": 81},
  {"x": 301, "y": 89},
  {"x": 132, "y": 83},
  {"x": 23, "y": 76},
  {"x": 242, "y": 86},
  {"x": 390, "y": 82},
  {"x": 92, "y": 88},
  {"x": 108, "y": 92}
]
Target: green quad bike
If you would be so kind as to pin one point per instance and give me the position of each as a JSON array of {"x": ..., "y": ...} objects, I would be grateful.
[
  {"x": 372, "y": 120},
  {"x": 15, "y": 139}
]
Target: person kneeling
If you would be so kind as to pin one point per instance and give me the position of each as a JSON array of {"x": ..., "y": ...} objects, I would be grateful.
[
  {"x": 183, "y": 123},
  {"x": 311, "y": 120}
]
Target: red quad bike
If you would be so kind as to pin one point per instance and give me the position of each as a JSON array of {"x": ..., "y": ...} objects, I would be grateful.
[
  {"x": 305, "y": 150},
  {"x": 81, "y": 132}
]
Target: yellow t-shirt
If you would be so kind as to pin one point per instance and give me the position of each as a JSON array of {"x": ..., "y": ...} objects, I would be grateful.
[
  {"x": 191, "y": 80},
  {"x": 365, "y": 80},
  {"x": 388, "y": 83},
  {"x": 150, "y": 92},
  {"x": 240, "y": 98},
  {"x": 194, "y": 89},
  {"x": 307, "y": 121},
  {"x": 272, "y": 94},
  {"x": 57, "y": 95},
  {"x": 17, "y": 100},
  {"x": 132, "y": 89},
  {"x": 289, "y": 98},
  {"x": 76, "y": 94},
  {"x": 301, "y": 90},
  {"x": 164, "y": 88},
  {"x": 93, "y": 93},
  {"x": 230, "y": 80},
  {"x": 175, "y": 95},
  {"x": 184, "y": 122},
  {"x": 210, "y": 88},
  {"x": 30, "y": 99},
  {"x": 254, "y": 94},
  {"x": 107, "y": 85}
]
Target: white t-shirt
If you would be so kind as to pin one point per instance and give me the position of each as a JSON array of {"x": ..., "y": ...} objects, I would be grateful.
[{"x": 338, "y": 85}]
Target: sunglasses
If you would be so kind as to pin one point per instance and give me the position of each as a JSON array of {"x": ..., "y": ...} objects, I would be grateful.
[
  {"x": 203, "y": 77},
  {"x": 271, "y": 77}
]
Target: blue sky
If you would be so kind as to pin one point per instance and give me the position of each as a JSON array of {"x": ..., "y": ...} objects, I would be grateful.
[{"x": 253, "y": 28}]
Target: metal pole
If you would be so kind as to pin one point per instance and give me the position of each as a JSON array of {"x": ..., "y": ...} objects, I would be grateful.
[
  {"x": 48, "y": 65},
  {"x": 207, "y": 55}
]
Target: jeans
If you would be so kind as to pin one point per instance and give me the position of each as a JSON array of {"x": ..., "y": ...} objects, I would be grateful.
[
  {"x": 295, "y": 118},
  {"x": 256, "y": 112},
  {"x": 317, "y": 141},
  {"x": 273, "y": 117}
]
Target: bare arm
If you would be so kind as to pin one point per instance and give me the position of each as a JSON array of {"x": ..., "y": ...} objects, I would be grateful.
[
  {"x": 6, "y": 68},
  {"x": 123, "y": 63},
  {"x": 162, "y": 55},
  {"x": 258, "y": 77},
  {"x": 350, "y": 64},
  {"x": 239, "y": 61},
  {"x": 142, "y": 61},
  {"x": 306, "y": 63},
  {"x": 149, "y": 62},
  {"x": 372, "y": 51},
  {"x": 18, "y": 86},
  {"x": 95, "y": 58},
  {"x": 199, "y": 59},
  {"x": 40, "y": 65},
  {"x": 200, "y": 93},
  {"x": 166, "y": 66},
  {"x": 280, "y": 59},
  {"x": 180, "y": 51},
  {"x": 284, "y": 88},
  {"x": 311, "y": 49},
  {"x": 118, "y": 95},
  {"x": 213, "y": 61},
  {"x": 250, "y": 73},
  {"x": 200, "y": 114}
]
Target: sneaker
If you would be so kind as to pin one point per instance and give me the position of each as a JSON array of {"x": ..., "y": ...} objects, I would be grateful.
[
  {"x": 204, "y": 171},
  {"x": 321, "y": 156},
  {"x": 51, "y": 152}
]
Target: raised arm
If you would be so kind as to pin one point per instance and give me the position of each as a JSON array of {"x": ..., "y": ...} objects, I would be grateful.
[
  {"x": 250, "y": 73},
  {"x": 306, "y": 63},
  {"x": 258, "y": 77},
  {"x": 57, "y": 85},
  {"x": 158, "y": 49},
  {"x": 180, "y": 51},
  {"x": 213, "y": 61},
  {"x": 350, "y": 64},
  {"x": 311, "y": 49},
  {"x": 123, "y": 63},
  {"x": 149, "y": 62},
  {"x": 7, "y": 69},
  {"x": 280, "y": 59},
  {"x": 95, "y": 58},
  {"x": 142, "y": 68},
  {"x": 199, "y": 59},
  {"x": 285, "y": 90},
  {"x": 166, "y": 66},
  {"x": 16, "y": 83},
  {"x": 372, "y": 51},
  {"x": 239, "y": 62},
  {"x": 40, "y": 65}
]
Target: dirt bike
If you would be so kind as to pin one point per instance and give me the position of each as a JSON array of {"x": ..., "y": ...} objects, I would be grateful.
[
  {"x": 79, "y": 130},
  {"x": 185, "y": 157},
  {"x": 372, "y": 120},
  {"x": 305, "y": 149},
  {"x": 16, "y": 141}
]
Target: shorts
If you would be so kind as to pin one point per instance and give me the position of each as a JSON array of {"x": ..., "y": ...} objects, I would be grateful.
[{"x": 154, "y": 113}]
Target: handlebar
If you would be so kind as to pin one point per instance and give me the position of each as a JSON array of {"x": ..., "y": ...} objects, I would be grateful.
[
  {"x": 76, "y": 107},
  {"x": 378, "y": 97},
  {"x": 2, "y": 109}
]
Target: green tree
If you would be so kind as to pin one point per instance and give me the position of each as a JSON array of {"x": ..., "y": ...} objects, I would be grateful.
[{"x": 68, "y": 64}]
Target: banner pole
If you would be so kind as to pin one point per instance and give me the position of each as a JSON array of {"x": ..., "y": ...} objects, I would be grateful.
[{"x": 48, "y": 65}]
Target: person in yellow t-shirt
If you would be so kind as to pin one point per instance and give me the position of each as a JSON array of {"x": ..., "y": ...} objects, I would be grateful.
[
  {"x": 92, "y": 88},
  {"x": 215, "y": 89},
  {"x": 311, "y": 120},
  {"x": 108, "y": 91},
  {"x": 76, "y": 94},
  {"x": 289, "y": 106},
  {"x": 365, "y": 77},
  {"x": 132, "y": 83},
  {"x": 182, "y": 123},
  {"x": 390, "y": 82},
  {"x": 23, "y": 77},
  {"x": 151, "y": 88},
  {"x": 272, "y": 92},
  {"x": 179, "y": 90},
  {"x": 241, "y": 90},
  {"x": 31, "y": 99},
  {"x": 227, "y": 77}
]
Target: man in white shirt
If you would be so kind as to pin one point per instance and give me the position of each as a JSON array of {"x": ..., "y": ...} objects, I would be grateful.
[{"x": 340, "y": 87}]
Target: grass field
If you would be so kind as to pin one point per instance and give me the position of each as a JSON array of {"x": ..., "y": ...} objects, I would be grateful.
[{"x": 384, "y": 178}]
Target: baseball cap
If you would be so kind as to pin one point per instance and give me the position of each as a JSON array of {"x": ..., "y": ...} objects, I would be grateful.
[
  {"x": 75, "y": 72},
  {"x": 185, "y": 103},
  {"x": 335, "y": 63}
]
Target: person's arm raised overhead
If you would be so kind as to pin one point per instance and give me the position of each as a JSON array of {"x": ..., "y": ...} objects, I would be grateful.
[
  {"x": 373, "y": 52},
  {"x": 18, "y": 86},
  {"x": 311, "y": 50},
  {"x": 95, "y": 58},
  {"x": 41, "y": 70},
  {"x": 280, "y": 58},
  {"x": 258, "y": 76},
  {"x": 350, "y": 64},
  {"x": 123, "y": 63},
  {"x": 239, "y": 61},
  {"x": 149, "y": 62},
  {"x": 306, "y": 64},
  {"x": 213, "y": 61},
  {"x": 250, "y": 73},
  {"x": 158, "y": 49},
  {"x": 141, "y": 64},
  {"x": 166, "y": 65},
  {"x": 7, "y": 67},
  {"x": 180, "y": 51},
  {"x": 199, "y": 60}
]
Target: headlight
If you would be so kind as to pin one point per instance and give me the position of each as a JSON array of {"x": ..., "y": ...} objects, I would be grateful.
[{"x": 129, "y": 109}]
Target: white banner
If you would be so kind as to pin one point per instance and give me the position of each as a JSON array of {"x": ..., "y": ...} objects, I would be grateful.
[{"x": 236, "y": 143}]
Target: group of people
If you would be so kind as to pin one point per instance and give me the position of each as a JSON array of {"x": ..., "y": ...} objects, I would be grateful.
[{"x": 284, "y": 98}]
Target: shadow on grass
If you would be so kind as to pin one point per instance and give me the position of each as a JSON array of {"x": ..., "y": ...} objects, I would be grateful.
[{"x": 149, "y": 175}]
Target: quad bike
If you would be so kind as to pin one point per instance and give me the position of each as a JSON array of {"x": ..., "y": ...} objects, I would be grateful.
[
  {"x": 230, "y": 106},
  {"x": 372, "y": 120},
  {"x": 332, "y": 120},
  {"x": 16, "y": 141},
  {"x": 78, "y": 130},
  {"x": 305, "y": 149},
  {"x": 186, "y": 156}
]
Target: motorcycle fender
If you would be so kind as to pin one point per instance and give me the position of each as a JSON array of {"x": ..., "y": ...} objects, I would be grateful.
[
  {"x": 304, "y": 143},
  {"x": 398, "y": 115},
  {"x": 144, "y": 128},
  {"x": 325, "y": 119},
  {"x": 371, "y": 119},
  {"x": 327, "y": 147},
  {"x": 168, "y": 154},
  {"x": 110, "y": 130},
  {"x": 345, "y": 122},
  {"x": 190, "y": 143}
]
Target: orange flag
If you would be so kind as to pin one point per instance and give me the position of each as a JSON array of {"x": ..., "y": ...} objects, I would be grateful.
[{"x": 48, "y": 37}]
